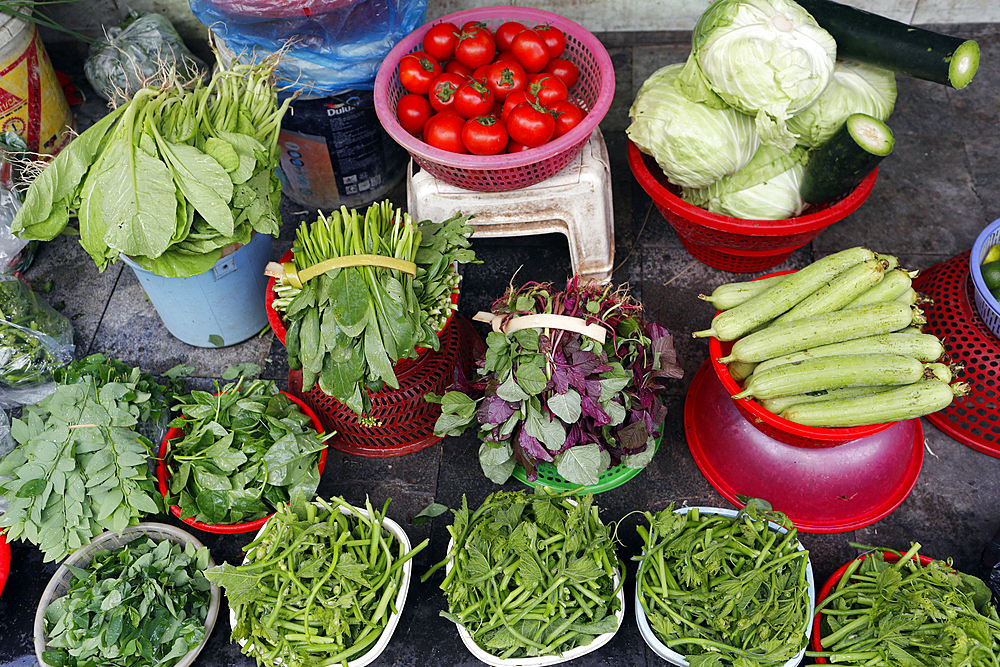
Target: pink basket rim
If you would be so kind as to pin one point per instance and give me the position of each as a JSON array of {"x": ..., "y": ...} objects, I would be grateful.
[{"x": 569, "y": 140}]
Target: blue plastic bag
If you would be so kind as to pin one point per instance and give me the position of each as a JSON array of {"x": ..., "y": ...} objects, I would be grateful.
[{"x": 331, "y": 45}]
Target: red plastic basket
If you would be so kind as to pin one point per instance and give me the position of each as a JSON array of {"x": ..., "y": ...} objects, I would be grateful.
[
  {"x": 406, "y": 420},
  {"x": 279, "y": 329},
  {"x": 771, "y": 424},
  {"x": 4, "y": 560},
  {"x": 734, "y": 244},
  {"x": 163, "y": 474},
  {"x": 817, "y": 634},
  {"x": 499, "y": 173}
]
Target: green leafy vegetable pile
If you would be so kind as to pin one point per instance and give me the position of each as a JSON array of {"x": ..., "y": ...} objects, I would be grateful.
[
  {"x": 348, "y": 326},
  {"x": 241, "y": 453},
  {"x": 80, "y": 468},
  {"x": 890, "y": 609},
  {"x": 35, "y": 339},
  {"x": 559, "y": 396},
  {"x": 169, "y": 178},
  {"x": 531, "y": 575},
  {"x": 144, "y": 603},
  {"x": 725, "y": 590},
  {"x": 318, "y": 585}
]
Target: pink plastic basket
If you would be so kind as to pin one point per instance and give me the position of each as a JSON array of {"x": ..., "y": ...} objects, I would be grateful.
[{"x": 500, "y": 173}]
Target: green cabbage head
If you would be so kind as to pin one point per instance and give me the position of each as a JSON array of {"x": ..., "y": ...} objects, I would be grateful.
[
  {"x": 694, "y": 143},
  {"x": 766, "y": 189},
  {"x": 767, "y": 58},
  {"x": 855, "y": 88}
]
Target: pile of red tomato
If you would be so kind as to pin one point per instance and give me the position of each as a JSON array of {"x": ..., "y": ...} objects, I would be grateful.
[{"x": 473, "y": 90}]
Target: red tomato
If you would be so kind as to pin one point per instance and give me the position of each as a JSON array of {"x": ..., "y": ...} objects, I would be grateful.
[
  {"x": 444, "y": 131},
  {"x": 484, "y": 135},
  {"x": 530, "y": 124},
  {"x": 563, "y": 70},
  {"x": 505, "y": 34},
  {"x": 417, "y": 71},
  {"x": 497, "y": 111},
  {"x": 514, "y": 147},
  {"x": 482, "y": 73},
  {"x": 547, "y": 88},
  {"x": 514, "y": 99},
  {"x": 473, "y": 99},
  {"x": 554, "y": 38},
  {"x": 458, "y": 68},
  {"x": 475, "y": 48},
  {"x": 568, "y": 116},
  {"x": 442, "y": 92},
  {"x": 530, "y": 50},
  {"x": 468, "y": 26},
  {"x": 505, "y": 56},
  {"x": 439, "y": 40},
  {"x": 413, "y": 110},
  {"x": 505, "y": 77}
]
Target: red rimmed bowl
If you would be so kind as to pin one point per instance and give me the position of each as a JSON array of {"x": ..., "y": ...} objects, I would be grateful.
[
  {"x": 735, "y": 244},
  {"x": 817, "y": 629},
  {"x": 500, "y": 173},
  {"x": 163, "y": 475},
  {"x": 280, "y": 330},
  {"x": 771, "y": 424}
]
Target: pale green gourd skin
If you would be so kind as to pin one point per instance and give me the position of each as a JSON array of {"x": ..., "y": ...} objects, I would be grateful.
[
  {"x": 781, "y": 403},
  {"x": 920, "y": 346},
  {"x": 836, "y": 372},
  {"x": 840, "y": 291},
  {"x": 893, "y": 283},
  {"x": 907, "y": 402}
]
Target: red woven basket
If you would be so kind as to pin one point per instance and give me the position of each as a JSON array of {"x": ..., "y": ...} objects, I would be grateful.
[
  {"x": 771, "y": 424},
  {"x": 499, "y": 173},
  {"x": 405, "y": 420},
  {"x": 163, "y": 475},
  {"x": 734, "y": 244}
]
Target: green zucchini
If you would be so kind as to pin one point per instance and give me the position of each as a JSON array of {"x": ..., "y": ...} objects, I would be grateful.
[
  {"x": 922, "y": 347},
  {"x": 854, "y": 150},
  {"x": 730, "y": 295},
  {"x": 834, "y": 327},
  {"x": 938, "y": 371},
  {"x": 893, "y": 283},
  {"x": 893, "y": 45},
  {"x": 837, "y": 293},
  {"x": 733, "y": 323},
  {"x": 906, "y": 402},
  {"x": 826, "y": 373},
  {"x": 779, "y": 404}
]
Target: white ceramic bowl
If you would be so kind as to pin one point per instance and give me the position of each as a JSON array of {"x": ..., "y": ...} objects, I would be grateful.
[
  {"x": 60, "y": 582},
  {"x": 404, "y": 587},
  {"x": 675, "y": 658}
]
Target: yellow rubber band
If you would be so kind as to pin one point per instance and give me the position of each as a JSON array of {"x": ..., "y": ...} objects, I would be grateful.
[
  {"x": 289, "y": 274},
  {"x": 544, "y": 321}
]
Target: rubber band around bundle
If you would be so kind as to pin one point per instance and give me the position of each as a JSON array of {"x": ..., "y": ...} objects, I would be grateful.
[
  {"x": 543, "y": 321},
  {"x": 288, "y": 273}
]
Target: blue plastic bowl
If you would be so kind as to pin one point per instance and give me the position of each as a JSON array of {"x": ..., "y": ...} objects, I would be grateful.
[{"x": 986, "y": 303}]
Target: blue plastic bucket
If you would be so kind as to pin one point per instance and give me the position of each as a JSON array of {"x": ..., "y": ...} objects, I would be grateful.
[{"x": 220, "y": 307}]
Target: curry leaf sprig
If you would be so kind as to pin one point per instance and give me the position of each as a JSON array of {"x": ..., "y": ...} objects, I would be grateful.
[
  {"x": 243, "y": 451},
  {"x": 724, "y": 590},
  {"x": 562, "y": 397},
  {"x": 144, "y": 603},
  {"x": 80, "y": 468},
  {"x": 171, "y": 177},
  {"x": 883, "y": 613},
  {"x": 318, "y": 586},
  {"x": 531, "y": 575}
]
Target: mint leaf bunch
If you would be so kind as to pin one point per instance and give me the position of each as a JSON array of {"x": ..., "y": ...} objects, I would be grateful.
[{"x": 562, "y": 397}]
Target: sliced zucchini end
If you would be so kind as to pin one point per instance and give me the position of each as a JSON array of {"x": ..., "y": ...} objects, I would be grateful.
[
  {"x": 870, "y": 133},
  {"x": 963, "y": 65}
]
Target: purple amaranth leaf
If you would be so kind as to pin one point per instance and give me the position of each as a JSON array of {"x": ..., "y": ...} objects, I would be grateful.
[
  {"x": 633, "y": 436},
  {"x": 525, "y": 460},
  {"x": 593, "y": 389},
  {"x": 532, "y": 446},
  {"x": 561, "y": 378},
  {"x": 495, "y": 410},
  {"x": 593, "y": 409}
]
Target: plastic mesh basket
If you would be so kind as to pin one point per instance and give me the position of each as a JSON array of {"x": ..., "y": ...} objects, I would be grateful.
[
  {"x": 734, "y": 244},
  {"x": 986, "y": 303},
  {"x": 499, "y": 173},
  {"x": 406, "y": 421}
]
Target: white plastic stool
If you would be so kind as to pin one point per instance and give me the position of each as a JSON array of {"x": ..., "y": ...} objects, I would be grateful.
[{"x": 575, "y": 202}]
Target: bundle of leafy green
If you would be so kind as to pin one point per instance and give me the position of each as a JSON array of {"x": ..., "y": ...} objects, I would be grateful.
[
  {"x": 80, "y": 468},
  {"x": 241, "y": 453},
  {"x": 559, "y": 396},
  {"x": 144, "y": 603},
  {"x": 169, "y": 178},
  {"x": 35, "y": 339},
  {"x": 348, "y": 326}
]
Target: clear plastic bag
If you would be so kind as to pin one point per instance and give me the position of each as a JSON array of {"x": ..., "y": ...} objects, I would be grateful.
[
  {"x": 135, "y": 53},
  {"x": 12, "y": 249},
  {"x": 35, "y": 339},
  {"x": 328, "y": 45}
]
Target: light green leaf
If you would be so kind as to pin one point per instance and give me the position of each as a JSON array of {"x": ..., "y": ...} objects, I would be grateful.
[
  {"x": 566, "y": 406},
  {"x": 580, "y": 464}
]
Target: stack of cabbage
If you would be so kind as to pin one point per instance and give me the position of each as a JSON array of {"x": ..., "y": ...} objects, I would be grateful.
[{"x": 733, "y": 126}]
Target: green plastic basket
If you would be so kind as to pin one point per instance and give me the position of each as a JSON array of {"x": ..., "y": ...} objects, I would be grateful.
[{"x": 611, "y": 478}]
